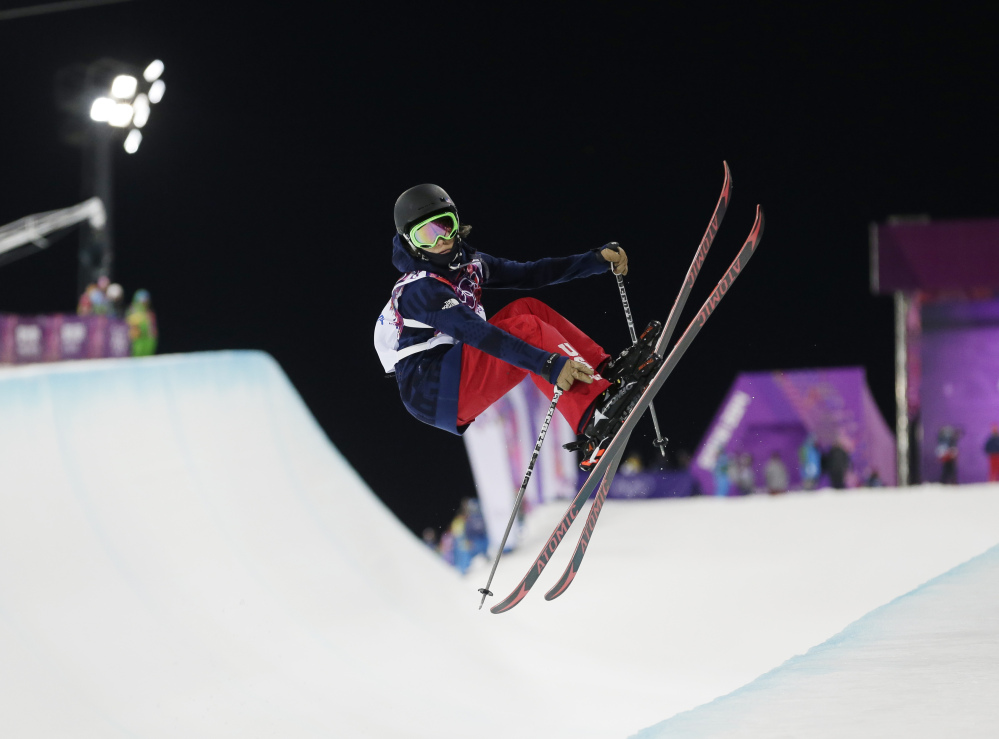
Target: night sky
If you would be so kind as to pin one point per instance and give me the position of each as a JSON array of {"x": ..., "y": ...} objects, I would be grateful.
[{"x": 258, "y": 210}]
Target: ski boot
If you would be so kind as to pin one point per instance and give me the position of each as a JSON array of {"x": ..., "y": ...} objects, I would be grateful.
[
  {"x": 611, "y": 410},
  {"x": 627, "y": 361}
]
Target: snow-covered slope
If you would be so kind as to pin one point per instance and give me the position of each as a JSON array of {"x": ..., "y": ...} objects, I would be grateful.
[
  {"x": 183, "y": 553},
  {"x": 925, "y": 665}
]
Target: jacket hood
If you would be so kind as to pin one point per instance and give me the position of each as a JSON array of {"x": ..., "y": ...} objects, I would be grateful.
[{"x": 403, "y": 261}]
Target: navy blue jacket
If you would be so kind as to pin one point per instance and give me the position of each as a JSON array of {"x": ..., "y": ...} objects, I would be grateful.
[{"x": 429, "y": 380}]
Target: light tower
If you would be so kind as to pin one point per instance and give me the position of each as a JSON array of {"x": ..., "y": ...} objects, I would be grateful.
[{"x": 109, "y": 101}]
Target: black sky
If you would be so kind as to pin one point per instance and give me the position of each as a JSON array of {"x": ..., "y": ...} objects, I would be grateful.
[{"x": 258, "y": 209}]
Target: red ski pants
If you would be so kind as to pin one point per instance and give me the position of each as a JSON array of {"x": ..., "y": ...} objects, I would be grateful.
[{"x": 485, "y": 378}]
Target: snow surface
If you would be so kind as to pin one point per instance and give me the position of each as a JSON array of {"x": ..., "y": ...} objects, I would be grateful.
[
  {"x": 183, "y": 553},
  {"x": 925, "y": 665}
]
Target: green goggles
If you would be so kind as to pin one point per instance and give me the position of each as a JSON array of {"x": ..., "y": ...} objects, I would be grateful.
[{"x": 426, "y": 234}]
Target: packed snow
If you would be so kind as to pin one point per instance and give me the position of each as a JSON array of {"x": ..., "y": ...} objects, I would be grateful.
[{"x": 186, "y": 554}]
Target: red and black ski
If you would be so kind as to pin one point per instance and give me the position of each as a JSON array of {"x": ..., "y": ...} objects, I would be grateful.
[
  {"x": 607, "y": 467},
  {"x": 747, "y": 251}
]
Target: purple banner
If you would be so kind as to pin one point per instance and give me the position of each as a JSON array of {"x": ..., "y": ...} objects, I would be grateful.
[
  {"x": 7, "y": 324},
  {"x": 774, "y": 413},
  {"x": 936, "y": 256},
  {"x": 28, "y": 339},
  {"x": 960, "y": 384}
]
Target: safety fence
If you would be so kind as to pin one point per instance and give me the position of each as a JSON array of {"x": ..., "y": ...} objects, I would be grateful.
[{"x": 53, "y": 338}]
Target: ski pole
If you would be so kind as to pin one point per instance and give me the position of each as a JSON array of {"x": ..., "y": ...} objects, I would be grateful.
[
  {"x": 660, "y": 442},
  {"x": 520, "y": 495}
]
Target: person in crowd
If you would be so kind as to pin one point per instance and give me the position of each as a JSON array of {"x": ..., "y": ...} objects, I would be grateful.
[
  {"x": 992, "y": 452},
  {"x": 430, "y": 538},
  {"x": 102, "y": 305},
  {"x": 873, "y": 479},
  {"x": 775, "y": 474},
  {"x": 94, "y": 301},
  {"x": 742, "y": 474},
  {"x": 837, "y": 464},
  {"x": 468, "y": 529},
  {"x": 721, "y": 475},
  {"x": 447, "y": 547},
  {"x": 683, "y": 459},
  {"x": 116, "y": 296},
  {"x": 947, "y": 453},
  {"x": 810, "y": 460},
  {"x": 475, "y": 529},
  {"x": 632, "y": 464},
  {"x": 84, "y": 307},
  {"x": 142, "y": 328}
]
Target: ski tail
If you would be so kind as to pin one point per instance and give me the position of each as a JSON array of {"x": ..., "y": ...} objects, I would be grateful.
[
  {"x": 741, "y": 259},
  {"x": 584, "y": 538}
]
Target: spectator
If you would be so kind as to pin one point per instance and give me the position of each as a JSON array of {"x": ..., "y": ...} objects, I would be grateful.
[
  {"x": 743, "y": 477},
  {"x": 475, "y": 529},
  {"x": 947, "y": 454},
  {"x": 775, "y": 474},
  {"x": 430, "y": 538},
  {"x": 142, "y": 325},
  {"x": 83, "y": 306},
  {"x": 461, "y": 548},
  {"x": 992, "y": 451},
  {"x": 837, "y": 463},
  {"x": 683, "y": 459},
  {"x": 811, "y": 463},
  {"x": 116, "y": 296},
  {"x": 721, "y": 475},
  {"x": 632, "y": 465},
  {"x": 93, "y": 302},
  {"x": 447, "y": 547},
  {"x": 873, "y": 479}
]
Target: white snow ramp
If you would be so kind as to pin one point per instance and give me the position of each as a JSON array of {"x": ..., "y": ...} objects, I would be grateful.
[{"x": 183, "y": 553}]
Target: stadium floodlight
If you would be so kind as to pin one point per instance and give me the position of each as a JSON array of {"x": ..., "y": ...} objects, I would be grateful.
[
  {"x": 154, "y": 71},
  {"x": 124, "y": 86},
  {"x": 121, "y": 115},
  {"x": 133, "y": 140},
  {"x": 126, "y": 100},
  {"x": 101, "y": 108},
  {"x": 141, "y": 108},
  {"x": 109, "y": 101},
  {"x": 156, "y": 91}
]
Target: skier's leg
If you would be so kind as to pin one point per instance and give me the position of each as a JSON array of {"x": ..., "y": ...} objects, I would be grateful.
[
  {"x": 537, "y": 324},
  {"x": 574, "y": 343},
  {"x": 485, "y": 378}
]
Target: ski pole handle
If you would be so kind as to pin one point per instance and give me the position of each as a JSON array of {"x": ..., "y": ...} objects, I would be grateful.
[{"x": 520, "y": 495}]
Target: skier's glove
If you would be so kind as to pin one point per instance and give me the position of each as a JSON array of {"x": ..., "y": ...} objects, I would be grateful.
[
  {"x": 614, "y": 254},
  {"x": 573, "y": 371}
]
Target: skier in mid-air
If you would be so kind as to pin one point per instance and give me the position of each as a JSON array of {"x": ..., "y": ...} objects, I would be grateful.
[{"x": 451, "y": 363}]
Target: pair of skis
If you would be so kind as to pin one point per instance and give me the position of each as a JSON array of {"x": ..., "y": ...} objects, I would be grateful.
[{"x": 606, "y": 468}]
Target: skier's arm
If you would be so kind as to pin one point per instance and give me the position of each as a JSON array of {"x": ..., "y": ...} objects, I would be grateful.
[
  {"x": 505, "y": 273},
  {"x": 425, "y": 301}
]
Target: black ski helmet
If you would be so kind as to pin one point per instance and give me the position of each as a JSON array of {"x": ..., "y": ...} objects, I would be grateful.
[{"x": 419, "y": 203}]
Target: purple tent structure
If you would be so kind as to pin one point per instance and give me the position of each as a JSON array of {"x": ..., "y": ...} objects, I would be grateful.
[
  {"x": 768, "y": 412},
  {"x": 944, "y": 276}
]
